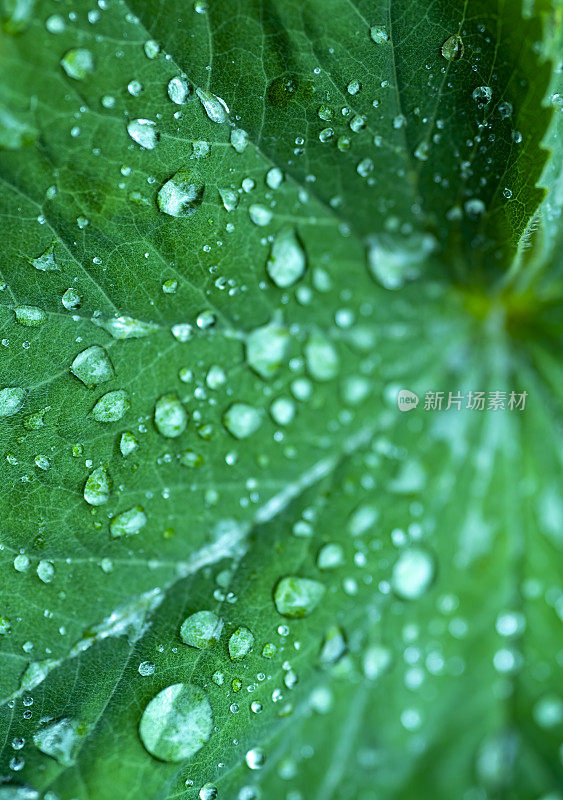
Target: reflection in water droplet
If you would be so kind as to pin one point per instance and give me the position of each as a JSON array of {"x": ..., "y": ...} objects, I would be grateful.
[{"x": 177, "y": 722}]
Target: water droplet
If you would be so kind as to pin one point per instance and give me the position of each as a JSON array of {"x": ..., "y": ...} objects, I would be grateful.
[
  {"x": 201, "y": 630},
  {"x": 11, "y": 400},
  {"x": 483, "y": 96},
  {"x": 178, "y": 90},
  {"x": 241, "y": 643},
  {"x": 239, "y": 139},
  {"x": 282, "y": 410},
  {"x": 505, "y": 109},
  {"x": 143, "y": 131},
  {"x": 170, "y": 416},
  {"x": 177, "y": 722},
  {"x": 394, "y": 261},
  {"x": 321, "y": 357},
  {"x": 260, "y": 215},
  {"x": 266, "y": 348},
  {"x": 255, "y": 758},
  {"x": 475, "y": 208},
  {"x": 128, "y": 443},
  {"x": 112, "y": 406},
  {"x": 413, "y": 572},
  {"x": 208, "y": 792},
  {"x": 78, "y": 64},
  {"x": 274, "y": 178},
  {"x": 45, "y": 571},
  {"x": 453, "y": 48},
  {"x": 330, "y": 556},
  {"x": 378, "y": 34},
  {"x": 128, "y": 522},
  {"x": 297, "y": 597},
  {"x": 92, "y": 366},
  {"x": 46, "y": 261},
  {"x": 287, "y": 262},
  {"x": 146, "y": 668},
  {"x": 30, "y": 316},
  {"x": 242, "y": 420},
  {"x": 376, "y": 661},
  {"x": 230, "y": 198},
  {"x": 71, "y": 300},
  {"x": 181, "y": 195},
  {"x": 126, "y": 327},
  {"x": 97, "y": 488},
  {"x": 21, "y": 563},
  {"x": 215, "y": 108},
  {"x": 151, "y": 48},
  {"x": 135, "y": 88},
  {"x": 60, "y": 740},
  {"x": 422, "y": 151},
  {"x": 333, "y": 647}
]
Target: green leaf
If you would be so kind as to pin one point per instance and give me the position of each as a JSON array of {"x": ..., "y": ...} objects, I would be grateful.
[{"x": 243, "y": 551}]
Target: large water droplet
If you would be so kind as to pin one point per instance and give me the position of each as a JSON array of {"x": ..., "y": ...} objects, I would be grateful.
[
  {"x": 178, "y": 90},
  {"x": 255, "y": 758},
  {"x": 143, "y": 131},
  {"x": 413, "y": 573},
  {"x": 128, "y": 522},
  {"x": 46, "y": 261},
  {"x": 78, "y": 64},
  {"x": 287, "y": 261},
  {"x": 215, "y": 108},
  {"x": 177, "y": 722},
  {"x": 242, "y": 420},
  {"x": 266, "y": 348},
  {"x": 97, "y": 488},
  {"x": 240, "y": 643},
  {"x": 11, "y": 400},
  {"x": 321, "y": 357},
  {"x": 170, "y": 416},
  {"x": 378, "y": 34},
  {"x": 92, "y": 366},
  {"x": 181, "y": 195},
  {"x": 201, "y": 630},
  {"x": 60, "y": 740},
  {"x": 483, "y": 96},
  {"x": 112, "y": 406},
  {"x": 392, "y": 261},
  {"x": 453, "y": 48},
  {"x": 126, "y": 327},
  {"x": 297, "y": 597},
  {"x": 30, "y": 316}
]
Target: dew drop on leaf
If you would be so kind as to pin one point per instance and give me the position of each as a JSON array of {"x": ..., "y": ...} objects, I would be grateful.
[
  {"x": 321, "y": 357},
  {"x": 215, "y": 108},
  {"x": 483, "y": 96},
  {"x": 11, "y": 400},
  {"x": 143, "y": 131},
  {"x": 242, "y": 420},
  {"x": 112, "y": 406},
  {"x": 287, "y": 262},
  {"x": 255, "y": 758},
  {"x": 378, "y": 34},
  {"x": 128, "y": 523},
  {"x": 46, "y": 261},
  {"x": 241, "y": 643},
  {"x": 128, "y": 443},
  {"x": 92, "y": 366},
  {"x": 413, "y": 572},
  {"x": 170, "y": 416},
  {"x": 239, "y": 139},
  {"x": 296, "y": 597},
  {"x": 201, "y": 630},
  {"x": 266, "y": 348},
  {"x": 181, "y": 195},
  {"x": 97, "y": 488},
  {"x": 45, "y": 571},
  {"x": 177, "y": 722},
  {"x": 126, "y": 327},
  {"x": 178, "y": 90},
  {"x": 453, "y": 48},
  {"x": 78, "y": 63},
  {"x": 30, "y": 316},
  {"x": 60, "y": 740},
  {"x": 330, "y": 556}
]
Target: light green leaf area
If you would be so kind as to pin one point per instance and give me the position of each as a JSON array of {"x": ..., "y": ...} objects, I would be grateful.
[{"x": 230, "y": 566}]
